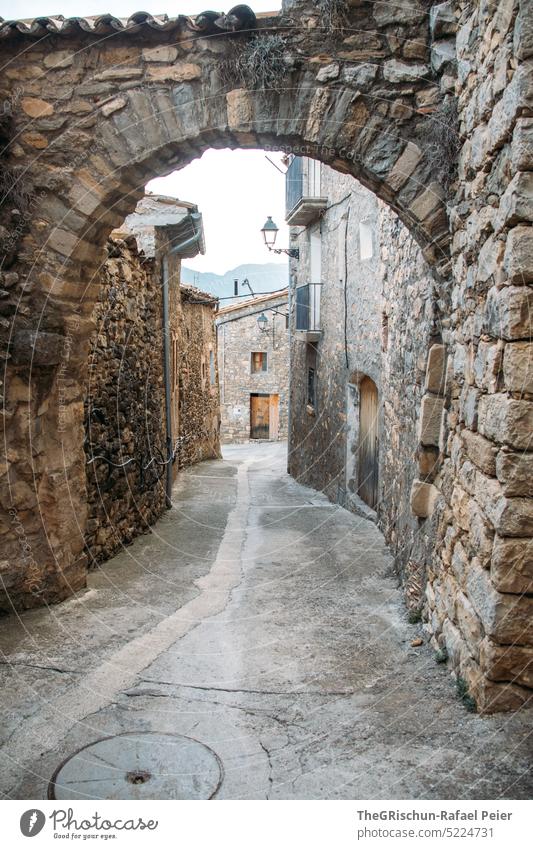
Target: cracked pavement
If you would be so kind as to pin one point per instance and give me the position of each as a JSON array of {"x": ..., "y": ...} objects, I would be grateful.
[{"x": 266, "y": 623}]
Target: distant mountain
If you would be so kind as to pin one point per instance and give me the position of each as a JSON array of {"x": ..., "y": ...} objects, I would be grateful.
[{"x": 263, "y": 278}]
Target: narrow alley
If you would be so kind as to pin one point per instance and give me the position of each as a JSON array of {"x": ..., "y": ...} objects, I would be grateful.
[{"x": 254, "y": 645}]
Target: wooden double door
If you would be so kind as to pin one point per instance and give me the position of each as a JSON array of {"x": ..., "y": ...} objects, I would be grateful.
[{"x": 264, "y": 416}]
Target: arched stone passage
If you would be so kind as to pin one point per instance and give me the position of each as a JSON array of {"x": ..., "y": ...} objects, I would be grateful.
[
  {"x": 101, "y": 115},
  {"x": 99, "y": 108}
]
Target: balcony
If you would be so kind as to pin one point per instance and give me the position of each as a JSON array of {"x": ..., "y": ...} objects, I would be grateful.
[
  {"x": 303, "y": 202},
  {"x": 308, "y": 312}
]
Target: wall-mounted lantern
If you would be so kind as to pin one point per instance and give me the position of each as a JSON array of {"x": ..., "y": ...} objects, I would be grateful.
[
  {"x": 262, "y": 323},
  {"x": 270, "y": 233}
]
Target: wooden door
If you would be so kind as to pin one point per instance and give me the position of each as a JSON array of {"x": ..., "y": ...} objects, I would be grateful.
[
  {"x": 368, "y": 452},
  {"x": 274, "y": 416},
  {"x": 259, "y": 416}
]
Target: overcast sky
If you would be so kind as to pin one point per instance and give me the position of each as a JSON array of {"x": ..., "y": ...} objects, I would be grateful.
[{"x": 234, "y": 190}]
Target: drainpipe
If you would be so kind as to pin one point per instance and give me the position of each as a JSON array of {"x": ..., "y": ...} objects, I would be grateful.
[{"x": 189, "y": 242}]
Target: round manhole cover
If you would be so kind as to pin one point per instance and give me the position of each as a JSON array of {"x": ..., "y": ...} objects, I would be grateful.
[{"x": 139, "y": 766}]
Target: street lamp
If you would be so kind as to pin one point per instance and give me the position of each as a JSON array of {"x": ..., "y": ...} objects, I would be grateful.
[
  {"x": 262, "y": 323},
  {"x": 270, "y": 232}
]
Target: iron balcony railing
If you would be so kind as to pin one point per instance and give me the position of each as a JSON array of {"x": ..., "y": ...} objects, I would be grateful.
[
  {"x": 302, "y": 191},
  {"x": 293, "y": 184}
]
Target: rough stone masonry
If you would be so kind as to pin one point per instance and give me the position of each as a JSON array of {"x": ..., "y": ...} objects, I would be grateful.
[{"x": 92, "y": 118}]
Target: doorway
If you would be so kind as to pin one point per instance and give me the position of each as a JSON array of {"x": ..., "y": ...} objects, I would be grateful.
[
  {"x": 259, "y": 416},
  {"x": 264, "y": 416},
  {"x": 368, "y": 451}
]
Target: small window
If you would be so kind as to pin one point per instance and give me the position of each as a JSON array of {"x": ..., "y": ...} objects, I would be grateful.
[
  {"x": 287, "y": 321},
  {"x": 212, "y": 368},
  {"x": 258, "y": 361},
  {"x": 365, "y": 240},
  {"x": 311, "y": 387},
  {"x": 384, "y": 331}
]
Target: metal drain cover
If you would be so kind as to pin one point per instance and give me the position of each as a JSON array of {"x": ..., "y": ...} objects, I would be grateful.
[{"x": 139, "y": 765}]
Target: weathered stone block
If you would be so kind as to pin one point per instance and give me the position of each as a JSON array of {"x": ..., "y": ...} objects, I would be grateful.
[
  {"x": 180, "y": 73},
  {"x": 118, "y": 74},
  {"x": 518, "y": 259},
  {"x": 240, "y": 109},
  {"x": 442, "y": 54},
  {"x": 469, "y": 624},
  {"x": 522, "y": 145},
  {"x": 428, "y": 458},
  {"x": 427, "y": 202},
  {"x": 436, "y": 370},
  {"x": 59, "y": 59},
  {"x": 492, "y": 697},
  {"x": 480, "y": 451},
  {"x": 360, "y": 76},
  {"x": 506, "y": 420},
  {"x": 37, "y": 348},
  {"x": 423, "y": 498},
  {"x": 430, "y": 419},
  {"x": 165, "y": 53},
  {"x": 518, "y": 367},
  {"x": 509, "y": 312},
  {"x": 515, "y": 473},
  {"x": 328, "y": 72},
  {"x": 36, "y": 108},
  {"x": 506, "y": 618},
  {"x": 396, "y": 71},
  {"x": 516, "y": 97},
  {"x": 409, "y": 12},
  {"x": 513, "y": 517},
  {"x": 113, "y": 105},
  {"x": 442, "y": 20},
  {"x": 516, "y": 204},
  {"x": 507, "y": 663},
  {"x": 511, "y": 568},
  {"x": 487, "y": 365},
  {"x": 489, "y": 259}
]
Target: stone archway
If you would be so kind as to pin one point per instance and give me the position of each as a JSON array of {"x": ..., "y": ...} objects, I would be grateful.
[{"x": 102, "y": 106}]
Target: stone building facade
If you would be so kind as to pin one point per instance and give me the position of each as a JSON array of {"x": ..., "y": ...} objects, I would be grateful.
[
  {"x": 357, "y": 374},
  {"x": 125, "y": 413},
  {"x": 254, "y": 368},
  {"x": 427, "y": 105}
]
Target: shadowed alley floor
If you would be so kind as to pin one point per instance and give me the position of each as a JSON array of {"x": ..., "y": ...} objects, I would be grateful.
[{"x": 253, "y": 645}]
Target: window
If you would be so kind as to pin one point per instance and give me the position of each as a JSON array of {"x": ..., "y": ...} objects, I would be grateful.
[
  {"x": 258, "y": 361},
  {"x": 384, "y": 331},
  {"x": 365, "y": 240},
  {"x": 315, "y": 255},
  {"x": 212, "y": 368},
  {"x": 311, "y": 394}
]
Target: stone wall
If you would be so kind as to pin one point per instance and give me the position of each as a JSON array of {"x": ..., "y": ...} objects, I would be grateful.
[
  {"x": 199, "y": 412},
  {"x": 479, "y": 602},
  {"x": 409, "y": 325},
  {"x": 124, "y": 403},
  {"x": 382, "y": 331},
  {"x": 238, "y": 336}
]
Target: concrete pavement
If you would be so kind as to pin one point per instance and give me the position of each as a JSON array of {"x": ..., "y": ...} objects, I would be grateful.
[{"x": 254, "y": 645}]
